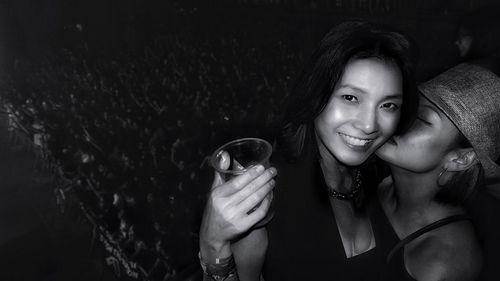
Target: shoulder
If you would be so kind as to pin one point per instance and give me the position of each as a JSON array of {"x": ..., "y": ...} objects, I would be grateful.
[{"x": 452, "y": 252}]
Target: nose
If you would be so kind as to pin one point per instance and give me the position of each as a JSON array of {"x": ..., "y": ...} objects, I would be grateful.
[{"x": 367, "y": 122}]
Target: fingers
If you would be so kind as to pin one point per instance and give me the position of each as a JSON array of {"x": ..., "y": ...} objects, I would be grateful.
[
  {"x": 255, "y": 198},
  {"x": 224, "y": 163},
  {"x": 259, "y": 213},
  {"x": 217, "y": 180},
  {"x": 254, "y": 185},
  {"x": 237, "y": 183},
  {"x": 225, "y": 160},
  {"x": 235, "y": 211},
  {"x": 244, "y": 179}
]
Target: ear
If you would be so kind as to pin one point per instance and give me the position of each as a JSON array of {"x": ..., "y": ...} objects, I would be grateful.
[{"x": 461, "y": 159}]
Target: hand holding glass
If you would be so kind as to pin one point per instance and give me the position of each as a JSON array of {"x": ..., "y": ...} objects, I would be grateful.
[{"x": 238, "y": 156}]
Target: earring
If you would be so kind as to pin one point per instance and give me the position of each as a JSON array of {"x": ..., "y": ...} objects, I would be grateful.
[{"x": 444, "y": 170}]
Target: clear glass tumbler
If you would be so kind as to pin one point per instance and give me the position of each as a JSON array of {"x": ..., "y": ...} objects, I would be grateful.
[{"x": 236, "y": 157}]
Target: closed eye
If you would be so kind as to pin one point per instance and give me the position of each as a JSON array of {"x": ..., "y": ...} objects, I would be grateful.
[{"x": 424, "y": 121}]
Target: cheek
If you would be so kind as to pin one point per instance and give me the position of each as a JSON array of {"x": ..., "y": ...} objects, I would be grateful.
[
  {"x": 419, "y": 144},
  {"x": 388, "y": 124},
  {"x": 422, "y": 151},
  {"x": 321, "y": 127},
  {"x": 330, "y": 118}
]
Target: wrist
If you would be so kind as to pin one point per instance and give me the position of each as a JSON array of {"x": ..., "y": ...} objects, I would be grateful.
[
  {"x": 219, "y": 269},
  {"x": 212, "y": 250}
]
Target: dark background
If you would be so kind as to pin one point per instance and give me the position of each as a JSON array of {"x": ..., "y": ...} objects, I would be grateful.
[
  {"x": 219, "y": 69},
  {"x": 31, "y": 29}
]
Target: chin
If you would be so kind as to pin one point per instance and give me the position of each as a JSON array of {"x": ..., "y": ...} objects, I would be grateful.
[
  {"x": 352, "y": 160},
  {"x": 392, "y": 158}
]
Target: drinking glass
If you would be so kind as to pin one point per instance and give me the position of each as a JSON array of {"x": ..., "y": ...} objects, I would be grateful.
[{"x": 241, "y": 155}]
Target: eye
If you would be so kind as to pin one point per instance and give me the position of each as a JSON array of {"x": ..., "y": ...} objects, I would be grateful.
[
  {"x": 390, "y": 106},
  {"x": 424, "y": 121},
  {"x": 350, "y": 98}
]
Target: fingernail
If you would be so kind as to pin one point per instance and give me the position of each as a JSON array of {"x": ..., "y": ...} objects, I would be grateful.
[
  {"x": 259, "y": 168},
  {"x": 273, "y": 171}
]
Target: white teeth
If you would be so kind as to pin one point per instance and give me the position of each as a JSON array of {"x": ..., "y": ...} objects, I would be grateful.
[{"x": 355, "y": 141}]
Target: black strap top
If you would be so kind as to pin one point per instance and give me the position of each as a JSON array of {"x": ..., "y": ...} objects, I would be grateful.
[
  {"x": 395, "y": 268},
  {"x": 424, "y": 230}
]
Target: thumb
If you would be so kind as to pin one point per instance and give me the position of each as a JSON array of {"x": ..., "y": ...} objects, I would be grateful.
[{"x": 223, "y": 164}]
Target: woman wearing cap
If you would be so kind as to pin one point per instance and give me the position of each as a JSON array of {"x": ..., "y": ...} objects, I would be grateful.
[{"x": 435, "y": 167}]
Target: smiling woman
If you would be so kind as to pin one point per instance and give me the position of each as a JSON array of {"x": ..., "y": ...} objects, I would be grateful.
[
  {"x": 355, "y": 92},
  {"x": 363, "y": 111}
]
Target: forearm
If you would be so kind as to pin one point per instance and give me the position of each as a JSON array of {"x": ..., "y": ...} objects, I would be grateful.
[
  {"x": 211, "y": 250},
  {"x": 244, "y": 262},
  {"x": 232, "y": 210},
  {"x": 249, "y": 254},
  {"x": 217, "y": 261}
]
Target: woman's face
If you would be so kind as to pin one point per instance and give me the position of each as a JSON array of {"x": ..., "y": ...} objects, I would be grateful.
[
  {"x": 363, "y": 111},
  {"x": 422, "y": 148}
]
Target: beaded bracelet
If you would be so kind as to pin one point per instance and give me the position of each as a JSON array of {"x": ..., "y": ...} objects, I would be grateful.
[{"x": 220, "y": 270}]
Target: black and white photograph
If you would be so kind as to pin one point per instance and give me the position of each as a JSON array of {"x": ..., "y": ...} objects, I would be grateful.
[{"x": 249, "y": 140}]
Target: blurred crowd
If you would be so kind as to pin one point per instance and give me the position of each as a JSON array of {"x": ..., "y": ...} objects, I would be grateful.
[{"x": 131, "y": 134}]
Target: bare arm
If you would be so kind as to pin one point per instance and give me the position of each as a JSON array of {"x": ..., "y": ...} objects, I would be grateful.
[
  {"x": 249, "y": 254},
  {"x": 229, "y": 216}
]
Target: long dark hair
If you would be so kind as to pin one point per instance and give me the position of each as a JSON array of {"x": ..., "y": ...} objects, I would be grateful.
[{"x": 346, "y": 41}]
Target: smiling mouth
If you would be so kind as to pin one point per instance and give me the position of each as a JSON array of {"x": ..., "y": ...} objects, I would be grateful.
[{"x": 357, "y": 142}]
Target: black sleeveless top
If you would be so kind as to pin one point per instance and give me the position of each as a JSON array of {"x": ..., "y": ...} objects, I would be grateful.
[
  {"x": 395, "y": 258},
  {"x": 304, "y": 242}
]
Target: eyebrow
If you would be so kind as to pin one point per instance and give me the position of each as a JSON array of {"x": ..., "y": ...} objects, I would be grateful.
[{"x": 357, "y": 89}]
